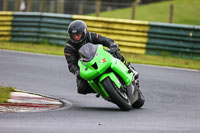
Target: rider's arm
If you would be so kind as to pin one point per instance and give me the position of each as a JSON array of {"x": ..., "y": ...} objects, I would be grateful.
[
  {"x": 98, "y": 39},
  {"x": 71, "y": 59}
]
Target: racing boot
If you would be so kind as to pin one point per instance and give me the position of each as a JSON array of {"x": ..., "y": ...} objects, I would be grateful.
[
  {"x": 131, "y": 69},
  {"x": 138, "y": 97}
]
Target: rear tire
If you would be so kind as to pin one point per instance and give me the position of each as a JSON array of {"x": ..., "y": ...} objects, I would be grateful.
[
  {"x": 140, "y": 102},
  {"x": 115, "y": 97}
]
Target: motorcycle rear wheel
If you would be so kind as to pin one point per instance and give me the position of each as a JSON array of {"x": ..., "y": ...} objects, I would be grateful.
[
  {"x": 115, "y": 97},
  {"x": 140, "y": 102}
]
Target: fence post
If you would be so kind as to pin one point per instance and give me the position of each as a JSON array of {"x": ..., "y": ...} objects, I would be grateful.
[
  {"x": 60, "y": 6},
  {"x": 98, "y": 7},
  {"x": 17, "y": 5},
  {"x": 81, "y": 7},
  {"x": 5, "y": 5},
  {"x": 171, "y": 12},
  {"x": 52, "y": 6},
  {"x": 133, "y": 6},
  {"x": 29, "y": 5},
  {"x": 42, "y": 5}
]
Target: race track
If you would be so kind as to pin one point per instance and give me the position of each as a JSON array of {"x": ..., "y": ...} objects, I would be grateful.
[{"x": 172, "y": 99}]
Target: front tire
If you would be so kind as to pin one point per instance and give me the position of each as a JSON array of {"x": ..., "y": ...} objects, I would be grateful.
[{"x": 115, "y": 97}]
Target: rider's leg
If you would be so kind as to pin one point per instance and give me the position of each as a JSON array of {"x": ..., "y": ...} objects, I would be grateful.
[
  {"x": 83, "y": 86},
  {"x": 119, "y": 56}
]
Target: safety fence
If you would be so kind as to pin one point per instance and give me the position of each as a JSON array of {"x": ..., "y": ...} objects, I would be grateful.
[
  {"x": 34, "y": 27},
  {"x": 174, "y": 40},
  {"x": 140, "y": 37}
]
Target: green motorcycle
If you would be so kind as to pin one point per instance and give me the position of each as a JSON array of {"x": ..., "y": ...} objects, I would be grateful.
[{"x": 109, "y": 77}]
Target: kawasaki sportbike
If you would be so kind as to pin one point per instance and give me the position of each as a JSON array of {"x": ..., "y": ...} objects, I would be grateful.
[{"x": 109, "y": 77}]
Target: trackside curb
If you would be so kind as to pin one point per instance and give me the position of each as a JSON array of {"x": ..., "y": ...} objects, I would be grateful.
[{"x": 28, "y": 102}]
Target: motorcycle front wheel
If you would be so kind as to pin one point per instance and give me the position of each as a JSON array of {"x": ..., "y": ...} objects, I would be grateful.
[{"x": 120, "y": 100}]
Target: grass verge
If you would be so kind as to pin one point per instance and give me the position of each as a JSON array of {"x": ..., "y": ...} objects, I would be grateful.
[
  {"x": 185, "y": 12},
  {"x": 134, "y": 58},
  {"x": 5, "y": 93},
  {"x": 163, "y": 61}
]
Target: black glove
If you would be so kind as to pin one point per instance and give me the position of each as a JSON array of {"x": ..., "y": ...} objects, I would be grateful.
[
  {"x": 77, "y": 74},
  {"x": 114, "y": 48}
]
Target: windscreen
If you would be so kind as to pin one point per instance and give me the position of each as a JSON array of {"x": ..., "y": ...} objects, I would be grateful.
[{"x": 87, "y": 52}]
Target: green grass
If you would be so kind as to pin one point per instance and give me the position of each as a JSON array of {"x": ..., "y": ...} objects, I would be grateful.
[
  {"x": 5, "y": 93},
  {"x": 163, "y": 61},
  {"x": 185, "y": 12},
  {"x": 134, "y": 58}
]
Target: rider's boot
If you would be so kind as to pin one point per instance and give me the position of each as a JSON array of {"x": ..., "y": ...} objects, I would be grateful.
[{"x": 131, "y": 69}]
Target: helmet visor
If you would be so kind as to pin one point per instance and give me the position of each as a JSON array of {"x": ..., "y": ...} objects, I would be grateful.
[{"x": 76, "y": 38}]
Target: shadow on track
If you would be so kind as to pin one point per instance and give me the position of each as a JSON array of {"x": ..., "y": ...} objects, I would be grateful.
[
  {"x": 107, "y": 109},
  {"x": 102, "y": 109}
]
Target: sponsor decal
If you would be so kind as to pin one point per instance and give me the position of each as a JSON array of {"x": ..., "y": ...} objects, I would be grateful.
[{"x": 74, "y": 31}]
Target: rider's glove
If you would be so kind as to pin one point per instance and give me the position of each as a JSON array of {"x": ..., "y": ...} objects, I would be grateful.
[
  {"x": 77, "y": 74},
  {"x": 114, "y": 48}
]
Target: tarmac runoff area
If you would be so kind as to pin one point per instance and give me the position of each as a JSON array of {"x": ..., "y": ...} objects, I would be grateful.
[{"x": 27, "y": 102}]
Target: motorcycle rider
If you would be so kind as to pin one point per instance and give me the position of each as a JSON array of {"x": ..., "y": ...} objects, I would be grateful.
[{"x": 78, "y": 36}]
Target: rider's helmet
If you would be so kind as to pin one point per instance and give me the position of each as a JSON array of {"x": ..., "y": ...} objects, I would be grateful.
[{"x": 77, "y": 31}]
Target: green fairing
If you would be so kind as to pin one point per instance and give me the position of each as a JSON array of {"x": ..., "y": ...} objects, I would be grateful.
[
  {"x": 101, "y": 91},
  {"x": 122, "y": 70},
  {"x": 87, "y": 72},
  {"x": 90, "y": 73},
  {"x": 112, "y": 77}
]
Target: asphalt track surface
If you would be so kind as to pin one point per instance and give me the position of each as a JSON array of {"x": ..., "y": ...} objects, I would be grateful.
[{"x": 172, "y": 99}]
